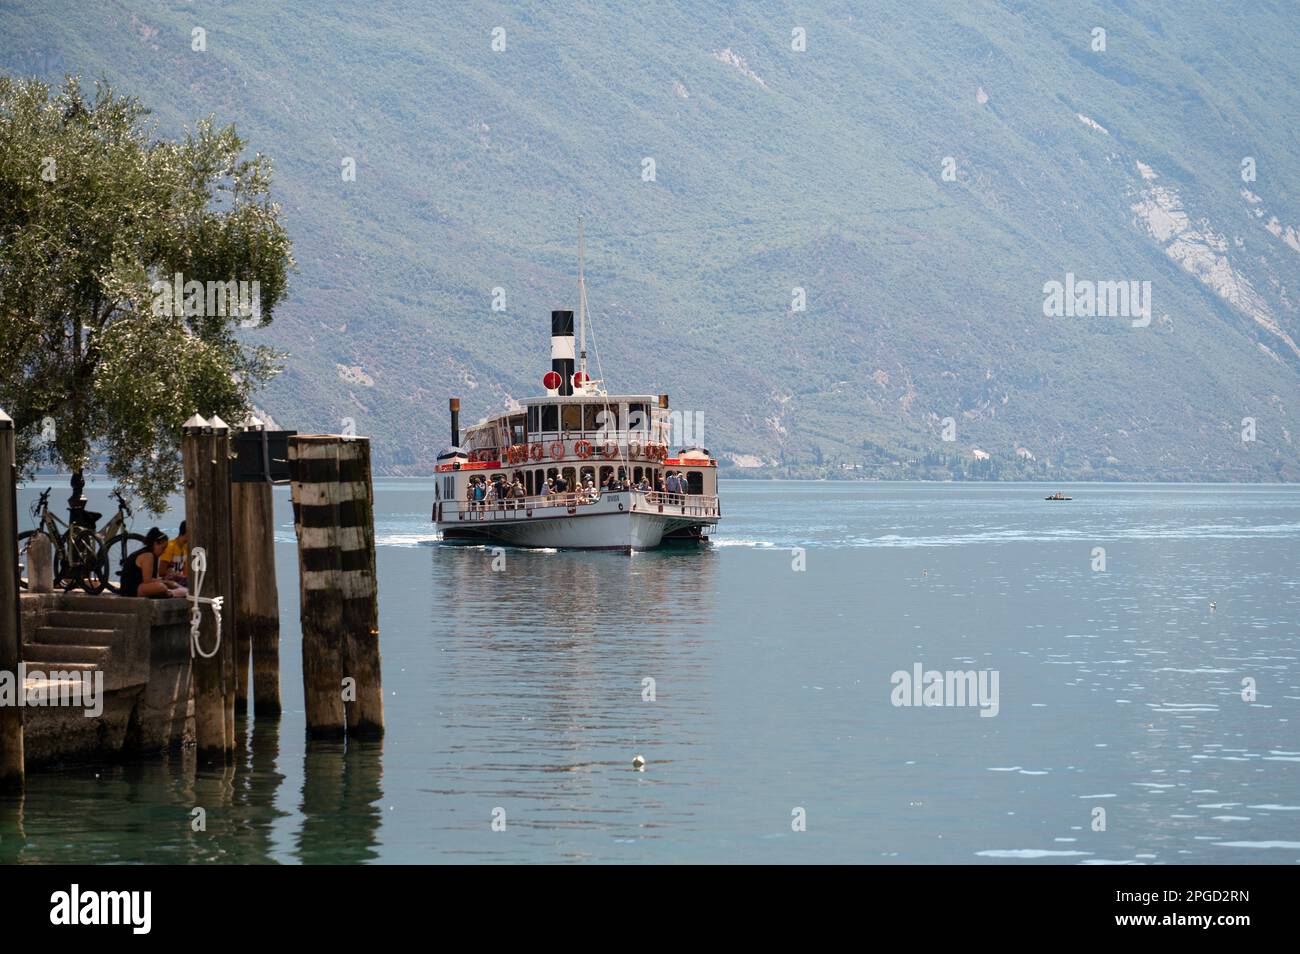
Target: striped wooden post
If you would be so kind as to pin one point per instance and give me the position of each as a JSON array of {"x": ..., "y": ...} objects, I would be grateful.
[
  {"x": 12, "y": 763},
  {"x": 333, "y": 516},
  {"x": 205, "y": 456}
]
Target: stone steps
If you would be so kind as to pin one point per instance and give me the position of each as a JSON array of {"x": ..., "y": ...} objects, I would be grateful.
[
  {"x": 98, "y": 604},
  {"x": 73, "y": 636},
  {"x": 75, "y": 619},
  {"x": 46, "y": 656}
]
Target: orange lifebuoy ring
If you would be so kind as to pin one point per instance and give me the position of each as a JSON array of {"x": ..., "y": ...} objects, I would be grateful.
[
  {"x": 557, "y": 454},
  {"x": 582, "y": 449},
  {"x": 609, "y": 451},
  {"x": 537, "y": 452}
]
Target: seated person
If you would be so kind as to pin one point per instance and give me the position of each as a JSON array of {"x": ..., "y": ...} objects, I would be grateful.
[
  {"x": 176, "y": 558},
  {"x": 140, "y": 570}
]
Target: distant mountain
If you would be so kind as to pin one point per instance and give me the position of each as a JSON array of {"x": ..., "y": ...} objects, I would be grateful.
[{"x": 1169, "y": 157}]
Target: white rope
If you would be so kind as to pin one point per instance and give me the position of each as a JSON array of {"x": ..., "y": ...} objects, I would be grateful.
[{"x": 199, "y": 563}]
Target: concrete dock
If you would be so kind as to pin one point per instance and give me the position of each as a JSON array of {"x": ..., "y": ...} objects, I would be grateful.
[{"x": 136, "y": 650}]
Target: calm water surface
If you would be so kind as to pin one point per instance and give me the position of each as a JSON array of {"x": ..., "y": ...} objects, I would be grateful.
[{"x": 522, "y": 690}]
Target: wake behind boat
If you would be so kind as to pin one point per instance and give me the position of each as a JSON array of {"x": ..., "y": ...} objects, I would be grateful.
[{"x": 576, "y": 468}]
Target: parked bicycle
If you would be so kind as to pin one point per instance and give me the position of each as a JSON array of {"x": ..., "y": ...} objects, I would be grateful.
[
  {"x": 80, "y": 561},
  {"x": 118, "y": 544}
]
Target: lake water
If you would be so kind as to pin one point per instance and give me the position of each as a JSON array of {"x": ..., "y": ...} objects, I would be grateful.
[{"x": 1124, "y": 732}]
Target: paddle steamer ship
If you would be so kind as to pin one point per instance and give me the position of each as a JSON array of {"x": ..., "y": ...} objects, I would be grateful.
[{"x": 581, "y": 435}]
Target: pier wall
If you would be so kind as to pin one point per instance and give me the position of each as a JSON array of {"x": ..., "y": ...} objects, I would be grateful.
[{"x": 140, "y": 646}]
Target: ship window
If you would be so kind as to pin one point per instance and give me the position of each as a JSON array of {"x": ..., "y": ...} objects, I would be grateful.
[
  {"x": 694, "y": 482},
  {"x": 532, "y": 421},
  {"x": 550, "y": 417},
  {"x": 517, "y": 430},
  {"x": 588, "y": 473},
  {"x": 572, "y": 417},
  {"x": 604, "y": 474},
  {"x": 606, "y": 417},
  {"x": 591, "y": 417},
  {"x": 568, "y": 478},
  {"x": 636, "y": 475},
  {"x": 637, "y": 418}
]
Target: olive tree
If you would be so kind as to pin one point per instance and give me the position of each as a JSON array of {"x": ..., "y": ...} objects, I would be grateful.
[{"x": 131, "y": 268}]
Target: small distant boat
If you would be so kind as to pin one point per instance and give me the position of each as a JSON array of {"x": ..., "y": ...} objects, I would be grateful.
[{"x": 1058, "y": 496}]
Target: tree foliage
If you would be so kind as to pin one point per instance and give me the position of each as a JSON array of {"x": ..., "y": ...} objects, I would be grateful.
[{"x": 97, "y": 216}]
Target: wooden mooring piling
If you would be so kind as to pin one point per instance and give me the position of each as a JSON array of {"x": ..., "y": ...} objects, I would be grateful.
[
  {"x": 257, "y": 599},
  {"x": 11, "y": 716},
  {"x": 333, "y": 508},
  {"x": 205, "y": 454}
]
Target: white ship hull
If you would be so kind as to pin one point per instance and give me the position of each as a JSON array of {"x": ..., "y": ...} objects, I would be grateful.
[{"x": 623, "y": 521}]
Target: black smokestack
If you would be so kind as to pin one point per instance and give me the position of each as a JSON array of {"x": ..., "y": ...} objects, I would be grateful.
[
  {"x": 562, "y": 349},
  {"x": 455, "y": 422}
]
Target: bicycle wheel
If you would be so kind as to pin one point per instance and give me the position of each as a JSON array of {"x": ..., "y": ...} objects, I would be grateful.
[
  {"x": 85, "y": 570},
  {"x": 114, "y": 554}
]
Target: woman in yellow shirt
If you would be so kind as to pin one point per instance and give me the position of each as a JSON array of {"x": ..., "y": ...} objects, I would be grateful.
[{"x": 176, "y": 558}]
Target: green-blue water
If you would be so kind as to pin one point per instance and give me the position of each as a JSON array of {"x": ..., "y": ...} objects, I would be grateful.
[{"x": 522, "y": 689}]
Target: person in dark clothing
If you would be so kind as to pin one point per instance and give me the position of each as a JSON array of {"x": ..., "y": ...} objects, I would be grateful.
[{"x": 140, "y": 570}]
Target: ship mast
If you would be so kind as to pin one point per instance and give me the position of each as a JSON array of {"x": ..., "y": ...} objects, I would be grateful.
[{"x": 582, "y": 308}]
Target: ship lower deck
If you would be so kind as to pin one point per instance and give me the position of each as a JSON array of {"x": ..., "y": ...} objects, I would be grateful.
[{"x": 625, "y": 521}]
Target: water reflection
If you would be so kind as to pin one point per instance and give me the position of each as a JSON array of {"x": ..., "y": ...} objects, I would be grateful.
[
  {"x": 340, "y": 806},
  {"x": 168, "y": 809},
  {"x": 554, "y": 671}
]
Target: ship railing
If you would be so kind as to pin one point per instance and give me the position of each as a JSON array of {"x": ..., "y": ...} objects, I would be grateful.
[
  {"x": 511, "y": 508},
  {"x": 689, "y": 505}
]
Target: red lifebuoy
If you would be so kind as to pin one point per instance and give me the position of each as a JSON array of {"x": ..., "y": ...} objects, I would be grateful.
[
  {"x": 610, "y": 451},
  {"x": 582, "y": 449},
  {"x": 537, "y": 452},
  {"x": 557, "y": 454}
]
